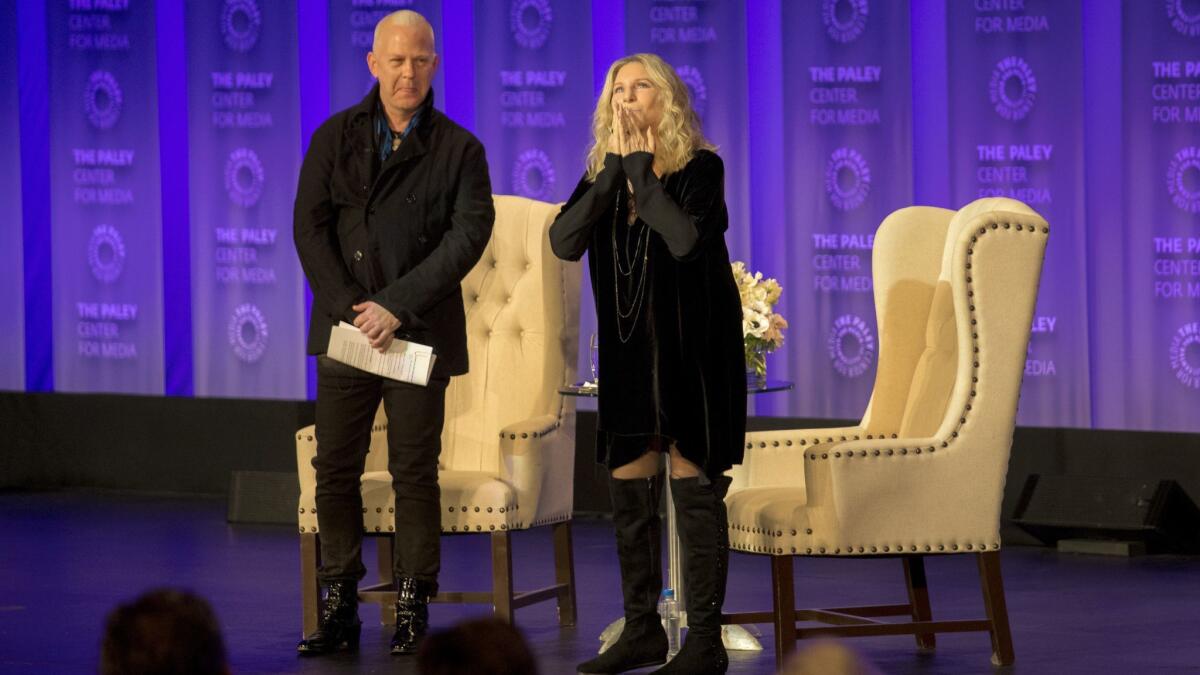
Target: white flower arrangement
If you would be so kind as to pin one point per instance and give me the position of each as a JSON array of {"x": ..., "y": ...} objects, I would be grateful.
[{"x": 762, "y": 327}]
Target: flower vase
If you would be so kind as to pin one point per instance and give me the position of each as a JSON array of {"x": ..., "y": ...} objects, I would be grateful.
[{"x": 756, "y": 366}]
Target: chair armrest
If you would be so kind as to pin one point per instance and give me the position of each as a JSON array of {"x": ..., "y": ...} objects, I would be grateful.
[
  {"x": 908, "y": 493},
  {"x": 775, "y": 458},
  {"x": 537, "y": 457}
]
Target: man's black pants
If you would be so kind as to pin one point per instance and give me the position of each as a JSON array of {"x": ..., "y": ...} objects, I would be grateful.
[{"x": 346, "y": 402}]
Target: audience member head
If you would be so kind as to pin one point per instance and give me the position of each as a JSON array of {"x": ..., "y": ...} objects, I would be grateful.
[
  {"x": 827, "y": 658},
  {"x": 478, "y": 647},
  {"x": 163, "y": 631}
]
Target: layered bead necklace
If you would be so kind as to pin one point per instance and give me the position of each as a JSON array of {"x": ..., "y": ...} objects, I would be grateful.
[{"x": 629, "y": 274}]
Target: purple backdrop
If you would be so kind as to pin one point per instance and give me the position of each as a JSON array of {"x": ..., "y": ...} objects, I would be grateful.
[
  {"x": 12, "y": 310},
  {"x": 1154, "y": 380},
  {"x": 848, "y": 143},
  {"x": 351, "y": 30},
  {"x": 244, "y": 134},
  {"x": 105, "y": 199},
  {"x": 1016, "y": 98},
  {"x": 705, "y": 41},
  {"x": 533, "y": 94},
  {"x": 815, "y": 106}
]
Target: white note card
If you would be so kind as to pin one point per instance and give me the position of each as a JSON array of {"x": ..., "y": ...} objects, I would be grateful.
[{"x": 404, "y": 361}]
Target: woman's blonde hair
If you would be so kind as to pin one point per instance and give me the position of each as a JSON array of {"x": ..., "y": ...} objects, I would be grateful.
[{"x": 678, "y": 135}]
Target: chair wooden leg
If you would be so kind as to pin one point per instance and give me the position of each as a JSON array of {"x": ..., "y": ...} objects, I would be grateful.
[
  {"x": 918, "y": 597},
  {"x": 383, "y": 560},
  {"x": 564, "y": 572},
  {"x": 310, "y": 590},
  {"x": 784, "y": 597},
  {"x": 997, "y": 610},
  {"x": 502, "y": 579}
]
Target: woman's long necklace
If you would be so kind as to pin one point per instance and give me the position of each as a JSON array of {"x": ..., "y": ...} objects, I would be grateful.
[{"x": 641, "y": 249}]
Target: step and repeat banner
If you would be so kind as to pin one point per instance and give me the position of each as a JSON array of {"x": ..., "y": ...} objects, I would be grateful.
[
  {"x": 705, "y": 41},
  {"x": 351, "y": 33},
  {"x": 106, "y": 214},
  {"x": 1157, "y": 244},
  {"x": 533, "y": 94},
  {"x": 848, "y": 150},
  {"x": 243, "y": 160},
  {"x": 12, "y": 300},
  {"x": 1016, "y": 105},
  {"x": 1116, "y": 336}
]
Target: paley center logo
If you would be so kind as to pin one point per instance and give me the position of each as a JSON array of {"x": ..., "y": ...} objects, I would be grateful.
[
  {"x": 241, "y": 22},
  {"x": 248, "y": 332},
  {"x": 1185, "y": 354},
  {"x": 851, "y": 345},
  {"x": 1182, "y": 20},
  {"x": 243, "y": 177},
  {"x": 1183, "y": 179},
  {"x": 844, "y": 20},
  {"x": 533, "y": 174},
  {"x": 530, "y": 22},
  {"x": 102, "y": 99},
  {"x": 847, "y": 179},
  {"x": 695, "y": 83},
  {"x": 1013, "y": 88},
  {"x": 106, "y": 253}
]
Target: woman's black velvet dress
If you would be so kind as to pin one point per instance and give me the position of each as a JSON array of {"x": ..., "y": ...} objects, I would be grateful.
[{"x": 669, "y": 316}]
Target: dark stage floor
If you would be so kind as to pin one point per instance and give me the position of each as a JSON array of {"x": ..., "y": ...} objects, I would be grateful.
[{"x": 67, "y": 558}]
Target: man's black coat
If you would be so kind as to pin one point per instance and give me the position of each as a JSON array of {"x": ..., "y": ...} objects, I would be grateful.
[{"x": 403, "y": 233}]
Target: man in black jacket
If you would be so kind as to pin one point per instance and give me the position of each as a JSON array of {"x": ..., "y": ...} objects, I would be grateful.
[{"x": 393, "y": 208}]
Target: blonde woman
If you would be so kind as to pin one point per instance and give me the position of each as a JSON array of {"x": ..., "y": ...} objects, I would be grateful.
[{"x": 650, "y": 213}]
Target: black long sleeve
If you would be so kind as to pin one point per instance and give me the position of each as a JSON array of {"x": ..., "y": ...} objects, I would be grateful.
[
  {"x": 700, "y": 213},
  {"x": 572, "y": 228}
]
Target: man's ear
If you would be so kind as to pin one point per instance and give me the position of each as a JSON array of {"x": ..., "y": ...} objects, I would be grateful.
[{"x": 373, "y": 64}]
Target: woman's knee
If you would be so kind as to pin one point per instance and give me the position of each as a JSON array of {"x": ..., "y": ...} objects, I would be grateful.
[
  {"x": 681, "y": 467},
  {"x": 642, "y": 467}
]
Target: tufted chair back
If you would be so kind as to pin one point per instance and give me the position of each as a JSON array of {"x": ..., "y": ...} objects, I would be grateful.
[
  {"x": 522, "y": 336},
  {"x": 924, "y": 471}
]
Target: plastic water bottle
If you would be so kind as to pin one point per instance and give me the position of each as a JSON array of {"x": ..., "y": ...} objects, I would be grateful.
[{"x": 668, "y": 609}]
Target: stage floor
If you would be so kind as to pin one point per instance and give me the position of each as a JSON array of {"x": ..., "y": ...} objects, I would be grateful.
[{"x": 68, "y": 557}]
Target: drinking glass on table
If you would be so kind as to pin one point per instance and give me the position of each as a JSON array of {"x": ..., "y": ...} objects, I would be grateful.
[{"x": 594, "y": 357}]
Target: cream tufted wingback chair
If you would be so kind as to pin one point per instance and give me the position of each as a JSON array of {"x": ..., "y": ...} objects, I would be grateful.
[
  {"x": 923, "y": 472},
  {"x": 508, "y": 444}
]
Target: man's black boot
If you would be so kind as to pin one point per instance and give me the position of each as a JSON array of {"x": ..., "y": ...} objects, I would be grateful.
[
  {"x": 643, "y": 641},
  {"x": 339, "y": 627},
  {"x": 412, "y": 613}
]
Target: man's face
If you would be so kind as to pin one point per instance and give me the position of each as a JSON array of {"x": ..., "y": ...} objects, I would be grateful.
[{"x": 404, "y": 62}]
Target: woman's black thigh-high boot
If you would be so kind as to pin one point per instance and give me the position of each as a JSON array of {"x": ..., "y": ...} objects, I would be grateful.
[
  {"x": 643, "y": 641},
  {"x": 704, "y": 531}
]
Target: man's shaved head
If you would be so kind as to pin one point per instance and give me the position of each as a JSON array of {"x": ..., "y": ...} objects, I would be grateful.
[{"x": 406, "y": 18}]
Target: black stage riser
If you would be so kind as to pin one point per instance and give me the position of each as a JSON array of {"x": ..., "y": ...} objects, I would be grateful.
[{"x": 193, "y": 445}]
